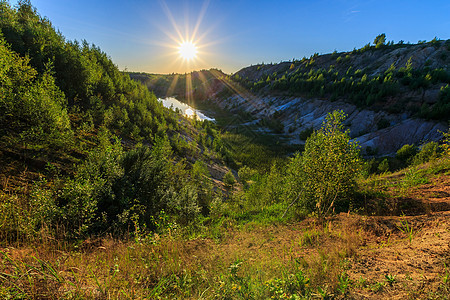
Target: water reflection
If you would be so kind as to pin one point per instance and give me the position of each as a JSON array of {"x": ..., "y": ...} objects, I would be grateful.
[{"x": 171, "y": 102}]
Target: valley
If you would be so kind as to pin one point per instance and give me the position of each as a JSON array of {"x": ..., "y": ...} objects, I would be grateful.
[{"x": 325, "y": 177}]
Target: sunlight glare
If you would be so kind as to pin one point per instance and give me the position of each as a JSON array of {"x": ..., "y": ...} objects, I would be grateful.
[
  {"x": 189, "y": 112},
  {"x": 187, "y": 50}
]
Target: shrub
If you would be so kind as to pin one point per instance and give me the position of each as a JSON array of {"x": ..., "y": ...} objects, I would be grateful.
[
  {"x": 31, "y": 106},
  {"x": 446, "y": 145},
  {"x": 229, "y": 179},
  {"x": 323, "y": 177},
  {"x": 83, "y": 200},
  {"x": 184, "y": 203},
  {"x": 383, "y": 167},
  {"x": 383, "y": 123},
  {"x": 306, "y": 133},
  {"x": 427, "y": 152},
  {"x": 406, "y": 153},
  {"x": 245, "y": 174}
]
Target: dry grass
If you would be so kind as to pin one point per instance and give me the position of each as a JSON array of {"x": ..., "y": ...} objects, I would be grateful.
[
  {"x": 246, "y": 264},
  {"x": 346, "y": 257}
]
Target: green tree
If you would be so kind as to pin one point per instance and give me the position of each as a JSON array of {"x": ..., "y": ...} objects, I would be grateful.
[
  {"x": 229, "y": 179},
  {"x": 245, "y": 174},
  {"x": 380, "y": 40},
  {"x": 324, "y": 176}
]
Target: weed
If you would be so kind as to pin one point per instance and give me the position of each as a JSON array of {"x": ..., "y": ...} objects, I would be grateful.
[
  {"x": 412, "y": 178},
  {"x": 234, "y": 268},
  {"x": 292, "y": 287},
  {"x": 443, "y": 291},
  {"x": 391, "y": 279},
  {"x": 407, "y": 229},
  {"x": 324, "y": 293},
  {"x": 310, "y": 238},
  {"x": 362, "y": 282},
  {"x": 377, "y": 287},
  {"x": 446, "y": 276},
  {"x": 343, "y": 283}
]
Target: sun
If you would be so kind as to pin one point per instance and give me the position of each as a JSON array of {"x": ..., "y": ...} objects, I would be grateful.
[{"x": 187, "y": 50}]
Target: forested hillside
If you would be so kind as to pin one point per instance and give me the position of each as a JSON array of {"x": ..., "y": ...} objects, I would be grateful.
[
  {"x": 197, "y": 86},
  {"x": 400, "y": 77},
  {"x": 97, "y": 150}
]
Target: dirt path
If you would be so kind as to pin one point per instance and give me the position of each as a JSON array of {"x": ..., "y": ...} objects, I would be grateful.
[{"x": 413, "y": 259}]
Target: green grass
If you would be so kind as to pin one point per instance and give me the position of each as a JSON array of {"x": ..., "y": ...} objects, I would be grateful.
[{"x": 407, "y": 229}]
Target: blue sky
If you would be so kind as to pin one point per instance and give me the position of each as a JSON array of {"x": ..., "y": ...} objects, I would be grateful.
[{"x": 141, "y": 35}]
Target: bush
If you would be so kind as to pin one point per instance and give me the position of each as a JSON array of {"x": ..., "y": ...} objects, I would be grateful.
[
  {"x": 383, "y": 123},
  {"x": 323, "y": 177},
  {"x": 33, "y": 107},
  {"x": 406, "y": 153},
  {"x": 427, "y": 152},
  {"x": 446, "y": 145},
  {"x": 83, "y": 200},
  {"x": 383, "y": 167},
  {"x": 229, "y": 179},
  {"x": 245, "y": 174}
]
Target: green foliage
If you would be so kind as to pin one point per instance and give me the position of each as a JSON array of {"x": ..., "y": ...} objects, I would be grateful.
[
  {"x": 390, "y": 279},
  {"x": 383, "y": 167},
  {"x": 293, "y": 286},
  {"x": 229, "y": 179},
  {"x": 343, "y": 283},
  {"x": 44, "y": 79},
  {"x": 380, "y": 40},
  {"x": 427, "y": 152},
  {"x": 358, "y": 86},
  {"x": 406, "y": 153},
  {"x": 446, "y": 145},
  {"x": 57, "y": 75},
  {"x": 408, "y": 230},
  {"x": 114, "y": 190},
  {"x": 80, "y": 199},
  {"x": 32, "y": 107},
  {"x": 246, "y": 174},
  {"x": 323, "y": 177}
]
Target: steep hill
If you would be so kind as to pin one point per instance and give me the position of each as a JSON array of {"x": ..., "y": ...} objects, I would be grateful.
[
  {"x": 395, "y": 78},
  {"x": 83, "y": 146},
  {"x": 393, "y": 94}
]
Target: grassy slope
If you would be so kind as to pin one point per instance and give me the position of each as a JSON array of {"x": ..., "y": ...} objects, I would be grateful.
[{"x": 349, "y": 256}]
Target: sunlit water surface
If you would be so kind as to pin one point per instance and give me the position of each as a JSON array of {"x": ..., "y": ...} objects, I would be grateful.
[{"x": 171, "y": 102}]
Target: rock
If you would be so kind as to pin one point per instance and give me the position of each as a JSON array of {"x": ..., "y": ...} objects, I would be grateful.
[{"x": 362, "y": 123}]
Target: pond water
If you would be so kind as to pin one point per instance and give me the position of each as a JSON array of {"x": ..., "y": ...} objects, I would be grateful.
[{"x": 171, "y": 102}]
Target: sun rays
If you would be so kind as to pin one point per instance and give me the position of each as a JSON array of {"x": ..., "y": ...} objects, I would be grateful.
[
  {"x": 186, "y": 43},
  {"x": 187, "y": 50}
]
